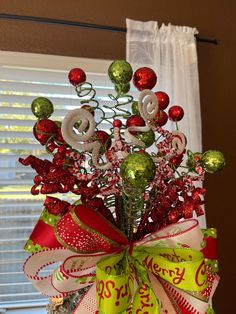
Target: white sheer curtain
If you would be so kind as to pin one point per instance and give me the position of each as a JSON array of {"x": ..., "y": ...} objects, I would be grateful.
[{"x": 171, "y": 52}]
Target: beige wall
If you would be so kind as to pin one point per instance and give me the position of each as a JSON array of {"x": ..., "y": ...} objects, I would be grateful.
[{"x": 217, "y": 79}]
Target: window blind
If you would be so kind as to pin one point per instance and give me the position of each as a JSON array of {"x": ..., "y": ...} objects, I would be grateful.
[{"x": 24, "y": 77}]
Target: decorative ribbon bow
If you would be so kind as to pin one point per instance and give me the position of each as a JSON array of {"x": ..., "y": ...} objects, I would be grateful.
[{"x": 164, "y": 272}]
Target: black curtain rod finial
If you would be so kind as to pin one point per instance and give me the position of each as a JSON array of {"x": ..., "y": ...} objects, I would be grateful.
[
  {"x": 83, "y": 25},
  {"x": 213, "y": 41}
]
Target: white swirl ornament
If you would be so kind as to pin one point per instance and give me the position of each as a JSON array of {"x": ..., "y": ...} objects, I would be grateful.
[
  {"x": 148, "y": 108},
  {"x": 179, "y": 142},
  {"x": 88, "y": 127},
  {"x": 147, "y": 105}
]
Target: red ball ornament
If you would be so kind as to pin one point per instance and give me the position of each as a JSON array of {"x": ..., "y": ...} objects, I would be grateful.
[
  {"x": 88, "y": 108},
  {"x": 104, "y": 138},
  {"x": 117, "y": 123},
  {"x": 176, "y": 113},
  {"x": 44, "y": 129},
  {"x": 161, "y": 118},
  {"x": 144, "y": 78},
  {"x": 76, "y": 76},
  {"x": 163, "y": 100},
  {"x": 135, "y": 120}
]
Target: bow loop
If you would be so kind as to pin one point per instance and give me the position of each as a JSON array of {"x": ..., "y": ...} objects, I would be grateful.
[
  {"x": 182, "y": 267},
  {"x": 115, "y": 283}
]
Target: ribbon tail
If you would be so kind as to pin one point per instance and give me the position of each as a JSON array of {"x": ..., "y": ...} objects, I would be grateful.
[
  {"x": 166, "y": 303},
  {"x": 186, "y": 301},
  {"x": 214, "y": 286},
  {"x": 88, "y": 303},
  {"x": 74, "y": 273},
  {"x": 145, "y": 299}
]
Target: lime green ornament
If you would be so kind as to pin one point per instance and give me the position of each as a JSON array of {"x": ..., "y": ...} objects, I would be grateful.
[
  {"x": 213, "y": 161},
  {"x": 122, "y": 89},
  {"x": 137, "y": 170},
  {"x": 42, "y": 107},
  {"x": 147, "y": 137},
  {"x": 120, "y": 72},
  {"x": 134, "y": 108}
]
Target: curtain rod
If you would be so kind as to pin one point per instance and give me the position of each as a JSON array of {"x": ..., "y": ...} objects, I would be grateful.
[{"x": 85, "y": 25}]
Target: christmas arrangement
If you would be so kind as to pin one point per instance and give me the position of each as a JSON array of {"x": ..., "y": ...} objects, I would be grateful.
[{"x": 129, "y": 244}]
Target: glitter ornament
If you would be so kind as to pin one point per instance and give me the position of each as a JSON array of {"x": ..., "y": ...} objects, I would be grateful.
[
  {"x": 122, "y": 89},
  {"x": 117, "y": 123},
  {"x": 44, "y": 129},
  {"x": 163, "y": 100},
  {"x": 135, "y": 120},
  {"x": 137, "y": 170},
  {"x": 144, "y": 78},
  {"x": 120, "y": 72},
  {"x": 161, "y": 118},
  {"x": 147, "y": 137},
  {"x": 76, "y": 76},
  {"x": 42, "y": 107},
  {"x": 213, "y": 161},
  {"x": 134, "y": 108},
  {"x": 176, "y": 113}
]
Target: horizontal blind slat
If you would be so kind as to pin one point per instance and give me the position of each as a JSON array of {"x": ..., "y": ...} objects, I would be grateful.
[
  {"x": 48, "y": 90},
  {"x": 50, "y": 77},
  {"x": 17, "y": 134},
  {"x": 22, "y": 204},
  {"x": 15, "y": 158},
  {"x": 16, "y": 169},
  {"x": 27, "y": 111},
  {"x": 14, "y": 122},
  {"x": 25, "y": 146}
]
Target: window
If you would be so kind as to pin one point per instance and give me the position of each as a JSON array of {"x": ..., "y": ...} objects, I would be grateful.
[{"x": 24, "y": 77}]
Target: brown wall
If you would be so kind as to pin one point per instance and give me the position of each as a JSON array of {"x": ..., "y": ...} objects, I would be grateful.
[{"x": 217, "y": 79}]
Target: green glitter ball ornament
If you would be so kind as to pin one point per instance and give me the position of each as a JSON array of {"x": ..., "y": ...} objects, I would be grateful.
[
  {"x": 122, "y": 89},
  {"x": 120, "y": 72},
  {"x": 213, "y": 161},
  {"x": 137, "y": 170},
  {"x": 147, "y": 137},
  {"x": 134, "y": 108},
  {"x": 42, "y": 107}
]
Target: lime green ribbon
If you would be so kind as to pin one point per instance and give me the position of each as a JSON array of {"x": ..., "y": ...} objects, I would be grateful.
[{"x": 183, "y": 268}]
